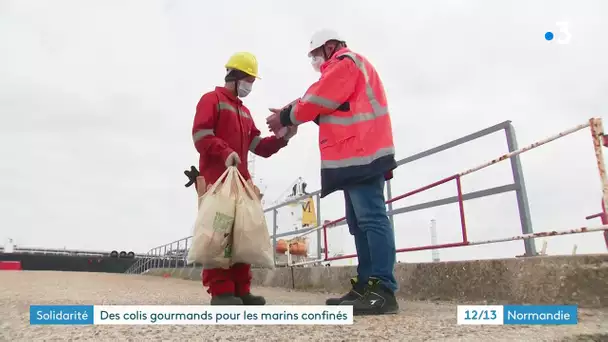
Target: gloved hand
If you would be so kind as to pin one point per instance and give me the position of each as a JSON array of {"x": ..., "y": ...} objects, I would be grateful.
[
  {"x": 291, "y": 131},
  {"x": 233, "y": 159},
  {"x": 274, "y": 121},
  {"x": 192, "y": 174}
]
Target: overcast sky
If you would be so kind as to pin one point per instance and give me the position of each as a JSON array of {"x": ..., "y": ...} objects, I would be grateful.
[{"x": 97, "y": 100}]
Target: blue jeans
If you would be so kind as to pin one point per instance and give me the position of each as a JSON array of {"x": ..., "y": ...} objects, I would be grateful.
[{"x": 374, "y": 237}]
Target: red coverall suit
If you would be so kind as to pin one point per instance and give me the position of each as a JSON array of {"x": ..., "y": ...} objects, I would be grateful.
[{"x": 222, "y": 124}]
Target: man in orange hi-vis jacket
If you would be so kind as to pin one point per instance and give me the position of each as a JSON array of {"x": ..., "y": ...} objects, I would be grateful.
[
  {"x": 357, "y": 156},
  {"x": 224, "y": 133}
]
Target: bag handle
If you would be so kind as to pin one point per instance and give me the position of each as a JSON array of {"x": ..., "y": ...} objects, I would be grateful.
[
  {"x": 246, "y": 186},
  {"x": 228, "y": 175}
]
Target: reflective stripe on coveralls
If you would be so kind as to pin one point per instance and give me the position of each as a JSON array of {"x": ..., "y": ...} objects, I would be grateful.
[
  {"x": 254, "y": 143},
  {"x": 198, "y": 135}
]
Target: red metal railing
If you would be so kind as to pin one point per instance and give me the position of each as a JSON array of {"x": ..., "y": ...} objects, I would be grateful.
[
  {"x": 597, "y": 132},
  {"x": 464, "y": 241},
  {"x": 599, "y": 140},
  {"x": 604, "y": 219},
  {"x": 594, "y": 216}
]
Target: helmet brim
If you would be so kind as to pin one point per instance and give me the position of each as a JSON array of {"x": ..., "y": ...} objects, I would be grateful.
[
  {"x": 252, "y": 75},
  {"x": 228, "y": 68}
]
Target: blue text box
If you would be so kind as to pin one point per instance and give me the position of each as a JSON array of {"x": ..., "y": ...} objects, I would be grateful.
[
  {"x": 540, "y": 314},
  {"x": 61, "y": 314}
]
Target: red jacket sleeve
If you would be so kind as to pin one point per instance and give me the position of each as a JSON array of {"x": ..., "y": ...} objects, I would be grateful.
[
  {"x": 264, "y": 147},
  {"x": 203, "y": 134},
  {"x": 336, "y": 85}
]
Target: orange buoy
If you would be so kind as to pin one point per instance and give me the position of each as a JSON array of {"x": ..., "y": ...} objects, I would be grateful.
[
  {"x": 281, "y": 246},
  {"x": 298, "y": 247}
]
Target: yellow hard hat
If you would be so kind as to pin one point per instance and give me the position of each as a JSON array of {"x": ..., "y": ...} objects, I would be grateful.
[{"x": 245, "y": 62}]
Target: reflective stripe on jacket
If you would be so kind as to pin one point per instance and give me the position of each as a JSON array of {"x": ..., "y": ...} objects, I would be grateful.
[
  {"x": 355, "y": 133},
  {"x": 222, "y": 124}
]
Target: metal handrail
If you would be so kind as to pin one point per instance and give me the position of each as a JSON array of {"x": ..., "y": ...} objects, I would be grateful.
[
  {"x": 155, "y": 257},
  {"x": 31, "y": 250},
  {"x": 518, "y": 187}
]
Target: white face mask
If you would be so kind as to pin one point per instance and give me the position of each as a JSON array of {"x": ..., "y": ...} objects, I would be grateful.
[
  {"x": 316, "y": 62},
  {"x": 244, "y": 88}
]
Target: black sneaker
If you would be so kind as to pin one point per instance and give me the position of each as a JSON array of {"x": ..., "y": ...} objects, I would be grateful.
[
  {"x": 377, "y": 300},
  {"x": 226, "y": 299},
  {"x": 355, "y": 293},
  {"x": 250, "y": 299}
]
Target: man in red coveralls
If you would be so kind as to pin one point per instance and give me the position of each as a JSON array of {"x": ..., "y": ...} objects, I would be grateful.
[{"x": 223, "y": 134}]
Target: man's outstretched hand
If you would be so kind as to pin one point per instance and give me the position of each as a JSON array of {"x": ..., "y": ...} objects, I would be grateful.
[
  {"x": 274, "y": 120},
  {"x": 291, "y": 131},
  {"x": 191, "y": 174}
]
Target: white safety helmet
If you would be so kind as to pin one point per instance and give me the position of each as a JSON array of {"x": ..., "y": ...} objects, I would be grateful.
[{"x": 321, "y": 37}]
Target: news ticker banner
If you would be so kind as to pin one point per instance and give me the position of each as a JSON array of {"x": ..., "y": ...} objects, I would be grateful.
[
  {"x": 280, "y": 315},
  {"x": 517, "y": 314},
  {"x": 190, "y": 315}
]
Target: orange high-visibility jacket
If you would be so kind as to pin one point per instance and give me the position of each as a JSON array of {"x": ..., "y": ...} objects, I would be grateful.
[{"x": 355, "y": 133}]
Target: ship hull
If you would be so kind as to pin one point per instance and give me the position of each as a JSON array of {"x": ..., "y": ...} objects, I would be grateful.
[{"x": 73, "y": 263}]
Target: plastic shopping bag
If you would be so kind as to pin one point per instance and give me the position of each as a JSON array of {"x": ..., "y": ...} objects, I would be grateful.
[
  {"x": 201, "y": 188},
  {"x": 212, "y": 236},
  {"x": 251, "y": 244}
]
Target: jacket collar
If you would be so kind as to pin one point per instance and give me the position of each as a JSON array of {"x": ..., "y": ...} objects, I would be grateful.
[
  {"x": 333, "y": 58},
  {"x": 228, "y": 93}
]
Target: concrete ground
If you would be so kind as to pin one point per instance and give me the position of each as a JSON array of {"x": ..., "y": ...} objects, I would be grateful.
[{"x": 418, "y": 321}]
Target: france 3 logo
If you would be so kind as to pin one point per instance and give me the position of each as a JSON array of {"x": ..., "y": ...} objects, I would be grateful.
[{"x": 564, "y": 33}]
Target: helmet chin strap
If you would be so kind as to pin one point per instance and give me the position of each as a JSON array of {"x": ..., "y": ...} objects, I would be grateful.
[
  {"x": 325, "y": 52},
  {"x": 235, "y": 91}
]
